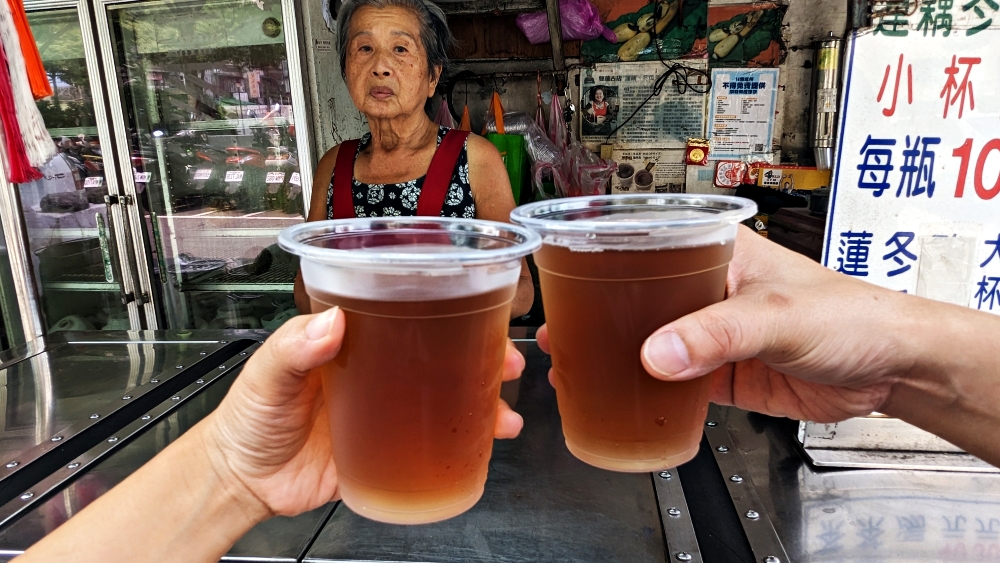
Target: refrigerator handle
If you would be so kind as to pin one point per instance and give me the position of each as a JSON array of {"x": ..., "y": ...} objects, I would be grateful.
[{"x": 129, "y": 299}]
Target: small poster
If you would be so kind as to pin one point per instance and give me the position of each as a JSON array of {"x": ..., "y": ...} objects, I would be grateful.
[
  {"x": 649, "y": 171},
  {"x": 93, "y": 181},
  {"x": 234, "y": 175},
  {"x": 143, "y": 177},
  {"x": 274, "y": 178},
  {"x": 294, "y": 180},
  {"x": 203, "y": 174},
  {"x": 611, "y": 93},
  {"x": 741, "y": 112}
]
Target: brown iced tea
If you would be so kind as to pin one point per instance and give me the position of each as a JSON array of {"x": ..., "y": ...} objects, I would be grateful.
[
  {"x": 600, "y": 307},
  {"x": 412, "y": 398}
]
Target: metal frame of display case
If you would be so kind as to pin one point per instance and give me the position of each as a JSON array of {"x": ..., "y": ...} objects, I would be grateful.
[
  {"x": 128, "y": 282},
  {"x": 122, "y": 148},
  {"x": 17, "y": 253}
]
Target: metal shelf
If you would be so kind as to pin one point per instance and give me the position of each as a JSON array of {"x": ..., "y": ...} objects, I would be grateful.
[
  {"x": 81, "y": 282},
  {"x": 277, "y": 278}
]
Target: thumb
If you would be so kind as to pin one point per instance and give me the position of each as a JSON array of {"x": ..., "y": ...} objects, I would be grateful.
[
  {"x": 696, "y": 344},
  {"x": 301, "y": 344}
]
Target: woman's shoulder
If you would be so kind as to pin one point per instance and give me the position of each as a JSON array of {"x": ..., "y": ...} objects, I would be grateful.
[{"x": 481, "y": 151}]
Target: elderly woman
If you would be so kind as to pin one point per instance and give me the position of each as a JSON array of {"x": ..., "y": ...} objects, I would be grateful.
[{"x": 392, "y": 55}]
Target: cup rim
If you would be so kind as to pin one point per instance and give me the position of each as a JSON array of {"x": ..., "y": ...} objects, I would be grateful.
[
  {"x": 296, "y": 239},
  {"x": 726, "y": 211}
]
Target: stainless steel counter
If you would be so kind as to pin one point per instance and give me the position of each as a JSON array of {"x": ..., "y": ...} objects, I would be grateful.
[
  {"x": 540, "y": 502},
  {"x": 796, "y": 512},
  {"x": 752, "y": 496}
]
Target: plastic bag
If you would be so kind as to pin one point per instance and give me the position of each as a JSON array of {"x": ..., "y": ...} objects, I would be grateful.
[
  {"x": 557, "y": 123},
  {"x": 444, "y": 117},
  {"x": 579, "y": 172},
  {"x": 580, "y": 20},
  {"x": 466, "y": 124},
  {"x": 538, "y": 146}
]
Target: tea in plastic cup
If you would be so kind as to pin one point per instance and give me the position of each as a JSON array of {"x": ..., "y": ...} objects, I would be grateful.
[
  {"x": 412, "y": 394},
  {"x": 613, "y": 270}
]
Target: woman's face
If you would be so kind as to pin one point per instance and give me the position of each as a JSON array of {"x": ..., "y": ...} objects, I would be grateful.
[
  {"x": 598, "y": 96},
  {"x": 386, "y": 63}
]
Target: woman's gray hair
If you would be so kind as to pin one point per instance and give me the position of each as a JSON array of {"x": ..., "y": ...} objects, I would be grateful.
[{"x": 434, "y": 32}]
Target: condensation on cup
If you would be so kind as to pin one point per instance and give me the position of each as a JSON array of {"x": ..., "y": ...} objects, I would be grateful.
[{"x": 412, "y": 394}]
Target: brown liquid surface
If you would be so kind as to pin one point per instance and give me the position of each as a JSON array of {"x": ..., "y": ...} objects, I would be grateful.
[
  {"x": 600, "y": 307},
  {"x": 412, "y": 397}
]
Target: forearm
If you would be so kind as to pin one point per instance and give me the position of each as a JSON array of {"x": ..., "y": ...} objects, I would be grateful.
[
  {"x": 524, "y": 297},
  {"x": 174, "y": 508},
  {"x": 952, "y": 384}
]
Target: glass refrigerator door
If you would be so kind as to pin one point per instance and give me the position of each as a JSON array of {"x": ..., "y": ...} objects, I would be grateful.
[
  {"x": 11, "y": 333},
  {"x": 209, "y": 98},
  {"x": 73, "y": 247}
]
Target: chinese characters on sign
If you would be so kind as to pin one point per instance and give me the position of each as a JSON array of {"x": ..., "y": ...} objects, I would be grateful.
[
  {"x": 611, "y": 93},
  {"x": 917, "y": 174},
  {"x": 741, "y": 111}
]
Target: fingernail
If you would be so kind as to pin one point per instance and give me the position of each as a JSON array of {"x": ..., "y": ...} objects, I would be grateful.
[
  {"x": 666, "y": 354},
  {"x": 321, "y": 325}
]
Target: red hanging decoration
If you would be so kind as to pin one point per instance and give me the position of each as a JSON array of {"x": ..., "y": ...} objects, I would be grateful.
[
  {"x": 20, "y": 169},
  {"x": 40, "y": 87}
]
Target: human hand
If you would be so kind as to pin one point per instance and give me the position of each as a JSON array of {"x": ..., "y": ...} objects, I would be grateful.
[
  {"x": 271, "y": 434},
  {"x": 792, "y": 339}
]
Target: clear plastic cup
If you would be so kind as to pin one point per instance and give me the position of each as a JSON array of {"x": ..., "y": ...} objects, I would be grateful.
[
  {"x": 412, "y": 394},
  {"x": 613, "y": 270}
]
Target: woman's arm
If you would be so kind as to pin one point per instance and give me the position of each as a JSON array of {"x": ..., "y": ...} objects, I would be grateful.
[
  {"x": 494, "y": 202},
  {"x": 317, "y": 212}
]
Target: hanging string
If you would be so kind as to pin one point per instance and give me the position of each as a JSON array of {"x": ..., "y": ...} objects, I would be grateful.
[
  {"x": 40, "y": 87},
  {"x": 20, "y": 168},
  {"x": 37, "y": 143}
]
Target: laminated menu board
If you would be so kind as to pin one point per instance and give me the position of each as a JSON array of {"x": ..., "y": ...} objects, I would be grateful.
[{"x": 611, "y": 93}]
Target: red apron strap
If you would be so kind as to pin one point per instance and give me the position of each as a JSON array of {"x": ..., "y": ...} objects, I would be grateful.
[
  {"x": 343, "y": 180},
  {"x": 438, "y": 179}
]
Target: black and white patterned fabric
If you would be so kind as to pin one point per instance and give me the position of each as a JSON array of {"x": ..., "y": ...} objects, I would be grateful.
[{"x": 385, "y": 200}]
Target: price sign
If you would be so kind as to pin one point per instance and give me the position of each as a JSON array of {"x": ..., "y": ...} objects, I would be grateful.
[
  {"x": 143, "y": 177},
  {"x": 914, "y": 203},
  {"x": 274, "y": 178},
  {"x": 93, "y": 181},
  {"x": 234, "y": 175},
  {"x": 294, "y": 180},
  {"x": 203, "y": 174}
]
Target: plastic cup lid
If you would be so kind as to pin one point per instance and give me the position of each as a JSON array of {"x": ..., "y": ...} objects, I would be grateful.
[
  {"x": 426, "y": 242},
  {"x": 633, "y": 214}
]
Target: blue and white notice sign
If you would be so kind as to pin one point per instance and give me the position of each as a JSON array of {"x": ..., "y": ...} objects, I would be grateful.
[{"x": 741, "y": 111}]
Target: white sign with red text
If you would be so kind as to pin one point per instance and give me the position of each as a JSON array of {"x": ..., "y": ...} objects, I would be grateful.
[{"x": 915, "y": 203}]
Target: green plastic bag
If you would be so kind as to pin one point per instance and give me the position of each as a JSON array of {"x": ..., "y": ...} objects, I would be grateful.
[{"x": 515, "y": 158}]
